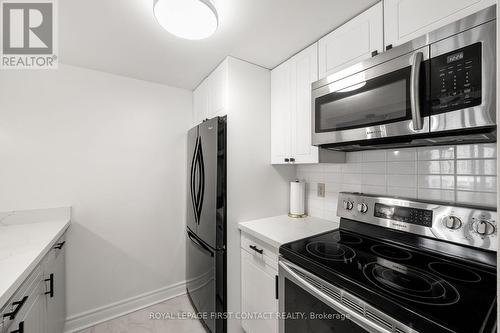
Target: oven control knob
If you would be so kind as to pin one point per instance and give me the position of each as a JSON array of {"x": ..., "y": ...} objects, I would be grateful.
[
  {"x": 484, "y": 227},
  {"x": 362, "y": 208},
  {"x": 452, "y": 222},
  {"x": 348, "y": 204}
]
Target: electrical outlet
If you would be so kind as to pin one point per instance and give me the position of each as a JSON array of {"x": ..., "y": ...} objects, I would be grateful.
[{"x": 321, "y": 190}]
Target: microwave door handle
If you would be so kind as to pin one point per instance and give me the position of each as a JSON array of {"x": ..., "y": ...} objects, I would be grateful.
[{"x": 416, "y": 62}]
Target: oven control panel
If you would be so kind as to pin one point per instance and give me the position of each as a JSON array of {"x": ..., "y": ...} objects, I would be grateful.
[
  {"x": 456, "y": 79},
  {"x": 470, "y": 226}
]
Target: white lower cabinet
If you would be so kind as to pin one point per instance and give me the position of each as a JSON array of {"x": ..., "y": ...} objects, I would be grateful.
[
  {"x": 55, "y": 284},
  {"x": 259, "y": 273},
  {"x": 39, "y": 305}
]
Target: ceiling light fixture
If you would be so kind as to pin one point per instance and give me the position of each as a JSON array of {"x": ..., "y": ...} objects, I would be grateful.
[{"x": 189, "y": 19}]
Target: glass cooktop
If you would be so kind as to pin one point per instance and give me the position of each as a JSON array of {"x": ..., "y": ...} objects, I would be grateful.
[{"x": 421, "y": 289}]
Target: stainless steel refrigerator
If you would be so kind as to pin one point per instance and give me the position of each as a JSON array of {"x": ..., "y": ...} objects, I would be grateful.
[{"x": 206, "y": 222}]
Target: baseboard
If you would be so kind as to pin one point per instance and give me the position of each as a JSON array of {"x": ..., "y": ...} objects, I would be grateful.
[{"x": 95, "y": 316}]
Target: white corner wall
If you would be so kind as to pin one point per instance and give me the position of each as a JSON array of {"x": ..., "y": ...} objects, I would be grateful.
[
  {"x": 114, "y": 149},
  {"x": 256, "y": 188}
]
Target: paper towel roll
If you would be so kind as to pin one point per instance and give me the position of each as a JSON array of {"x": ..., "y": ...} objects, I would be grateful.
[{"x": 297, "y": 199}]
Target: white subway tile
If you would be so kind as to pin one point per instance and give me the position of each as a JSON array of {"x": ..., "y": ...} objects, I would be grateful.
[
  {"x": 373, "y": 167},
  {"x": 318, "y": 177},
  {"x": 402, "y": 180},
  {"x": 331, "y": 215},
  {"x": 406, "y": 154},
  {"x": 351, "y": 188},
  {"x": 477, "y": 183},
  {"x": 332, "y": 167},
  {"x": 477, "y": 167},
  {"x": 373, "y": 179},
  {"x": 315, "y": 212},
  {"x": 333, "y": 177},
  {"x": 333, "y": 187},
  {"x": 436, "y": 153},
  {"x": 402, "y": 168},
  {"x": 354, "y": 157},
  {"x": 331, "y": 200},
  {"x": 374, "y": 156},
  {"x": 436, "y": 167},
  {"x": 484, "y": 150},
  {"x": 477, "y": 198},
  {"x": 436, "y": 181},
  {"x": 310, "y": 168},
  {"x": 371, "y": 189},
  {"x": 316, "y": 203},
  {"x": 440, "y": 195},
  {"x": 351, "y": 178},
  {"x": 405, "y": 192},
  {"x": 351, "y": 167}
]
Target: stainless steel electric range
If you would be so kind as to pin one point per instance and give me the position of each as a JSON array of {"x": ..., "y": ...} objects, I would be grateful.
[{"x": 394, "y": 265}]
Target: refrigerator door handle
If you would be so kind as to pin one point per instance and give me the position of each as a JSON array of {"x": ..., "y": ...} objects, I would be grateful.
[
  {"x": 200, "y": 245},
  {"x": 193, "y": 179},
  {"x": 201, "y": 193},
  {"x": 199, "y": 180}
]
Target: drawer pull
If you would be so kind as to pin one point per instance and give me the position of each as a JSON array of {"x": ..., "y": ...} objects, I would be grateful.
[
  {"x": 59, "y": 246},
  {"x": 256, "y": 249},
  {"x": 20, "y": 328},
  {"x": 18, "y": 305},
  {"x": 51, "y": 285}
]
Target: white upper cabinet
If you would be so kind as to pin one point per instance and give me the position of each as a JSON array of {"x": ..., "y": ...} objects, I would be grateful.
[
  {"x": 291, "y": 108},
  {"x": 200, "y": 103},
  {"x": 217, "y": 91},
  {"x": 281, "y": 112},
  {"x": 352, "y": 42},
  {"x": 210, "y": 97},
  {"x": 306, "y": 72},
  {"x": 405, "y": 20}
]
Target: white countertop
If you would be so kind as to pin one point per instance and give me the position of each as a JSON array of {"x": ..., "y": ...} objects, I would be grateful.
[
  {"x": 25, "y": 238},
  {"x": 282, "y": 229}
]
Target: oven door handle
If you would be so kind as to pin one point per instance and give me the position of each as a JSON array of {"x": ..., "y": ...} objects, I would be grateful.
[
  {"x": 416, "y": 62},
  {"x": 360, "y": 320}
]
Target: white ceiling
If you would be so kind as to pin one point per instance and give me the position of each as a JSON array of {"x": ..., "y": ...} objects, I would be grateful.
[{"x": 122, "y": 37}]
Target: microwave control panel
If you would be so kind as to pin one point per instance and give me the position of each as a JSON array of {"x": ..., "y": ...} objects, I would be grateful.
[{"x": 456, "y": 79}]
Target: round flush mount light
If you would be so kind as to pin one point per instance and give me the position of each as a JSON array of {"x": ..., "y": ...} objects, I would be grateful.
[{"x": 189, "y": 19}]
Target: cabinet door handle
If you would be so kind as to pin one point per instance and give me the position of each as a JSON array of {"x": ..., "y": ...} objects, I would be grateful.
[
  {"x": 18, "y": 305},
  {"x": 256, "y": 249},
  {"x": 287, "y": 160},
  {"x": 59, "y": 246},
  {"x": 292, "y": 159},
  {"x": 20, "y": 328},
  {"x": 51, "y": 285}
]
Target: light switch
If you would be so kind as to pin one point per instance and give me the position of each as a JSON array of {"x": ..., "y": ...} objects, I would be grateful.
[{"x": 321, "y": 190}]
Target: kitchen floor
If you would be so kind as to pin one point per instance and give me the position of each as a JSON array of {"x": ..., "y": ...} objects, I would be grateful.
[{"x": 140, "y": 322}]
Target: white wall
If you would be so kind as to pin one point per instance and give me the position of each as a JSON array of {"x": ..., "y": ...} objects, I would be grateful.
[
  {"x": 114, "y": 149},
  {"x": 458, "y": 174},
  {"x": 256, "y": 189}
]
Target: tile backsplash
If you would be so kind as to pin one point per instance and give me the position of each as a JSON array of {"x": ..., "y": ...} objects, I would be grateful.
[{"x": 459, "y": 174}]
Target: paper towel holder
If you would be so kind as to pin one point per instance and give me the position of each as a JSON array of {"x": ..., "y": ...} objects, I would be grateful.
[
  {"x": 297, "y": 212},
  {"x": 297, "y": 216}
]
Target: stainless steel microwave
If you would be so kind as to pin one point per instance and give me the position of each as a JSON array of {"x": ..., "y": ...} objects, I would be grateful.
[{"x": 437, "y": 89}]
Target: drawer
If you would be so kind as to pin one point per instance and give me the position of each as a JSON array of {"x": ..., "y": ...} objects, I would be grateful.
[
  {"x": 31, "y": 288},
  {"x": 255, "y": 246}
]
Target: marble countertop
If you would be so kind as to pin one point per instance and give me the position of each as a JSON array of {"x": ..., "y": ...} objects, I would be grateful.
[
  {"x": 25, "y": 238},
  {"x": 282, "y": 229}
]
